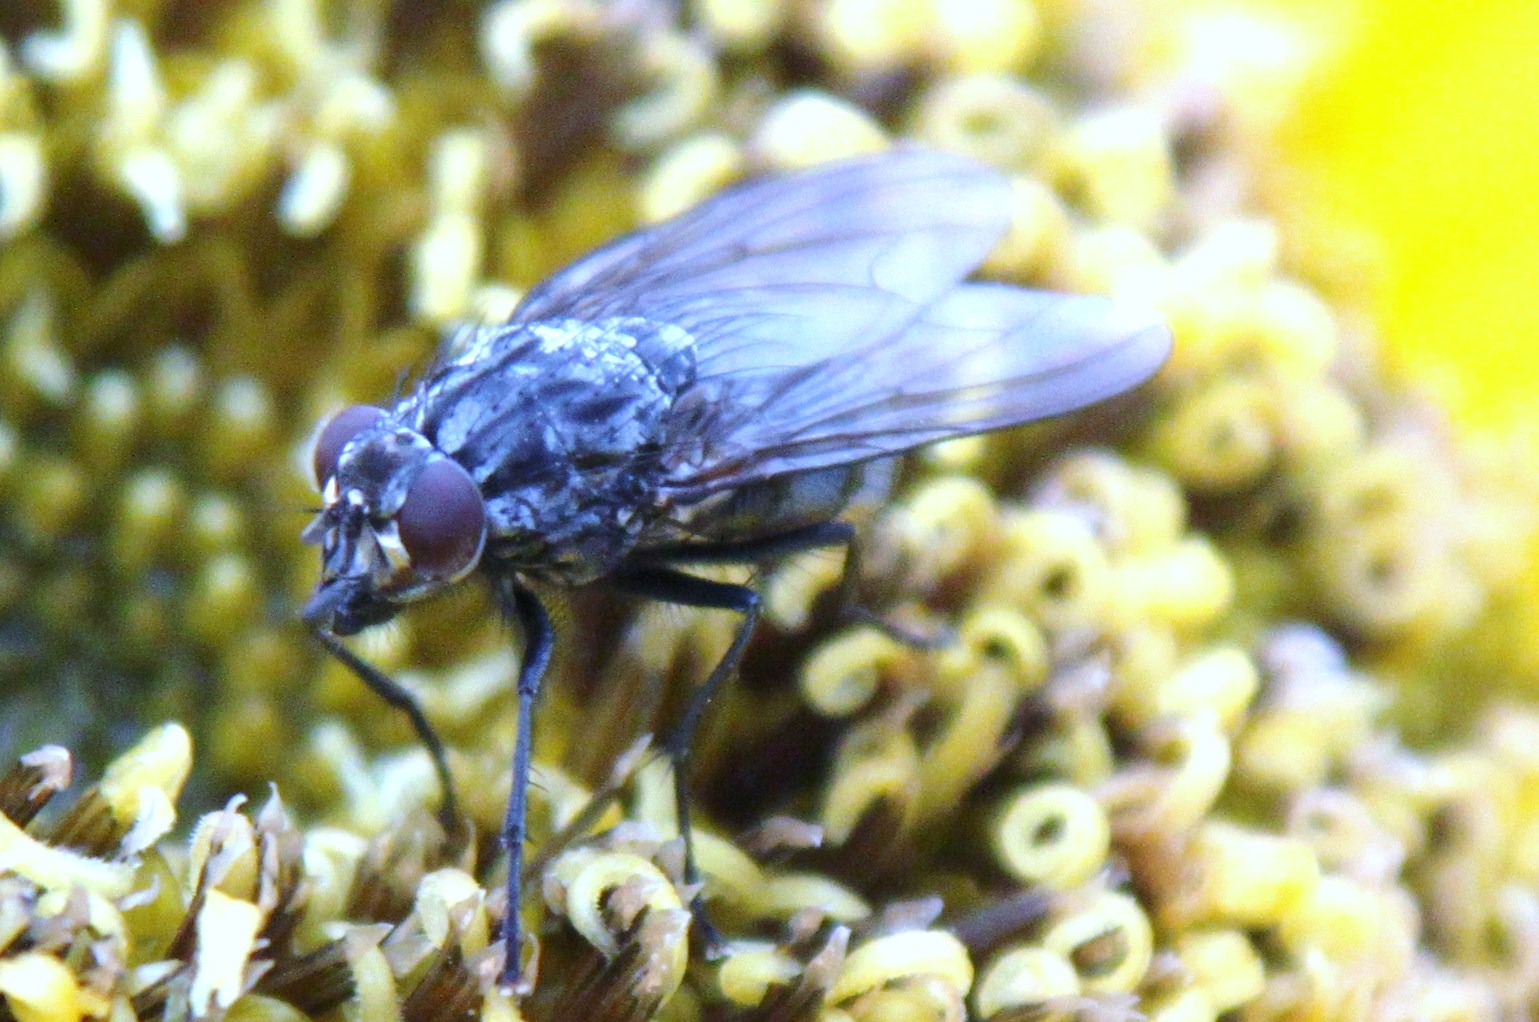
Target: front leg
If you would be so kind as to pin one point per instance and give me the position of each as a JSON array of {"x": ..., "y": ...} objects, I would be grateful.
[
  {"x": 523, "y": 607},
  {"x": 402, "y": 699}
]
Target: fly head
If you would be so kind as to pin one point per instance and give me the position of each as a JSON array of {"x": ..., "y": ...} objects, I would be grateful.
[{"x": 401, "y": 520}]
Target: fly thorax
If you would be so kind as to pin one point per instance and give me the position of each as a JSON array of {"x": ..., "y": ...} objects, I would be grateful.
[{"x": 562, "y": 425}]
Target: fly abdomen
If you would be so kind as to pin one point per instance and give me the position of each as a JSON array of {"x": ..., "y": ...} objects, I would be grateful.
[{"x": 775, "y": 506}]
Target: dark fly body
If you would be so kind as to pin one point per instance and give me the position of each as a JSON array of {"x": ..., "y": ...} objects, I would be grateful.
[{"x": 708, "y": 390}]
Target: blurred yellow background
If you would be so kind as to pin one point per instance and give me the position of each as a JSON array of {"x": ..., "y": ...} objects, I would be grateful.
[{"x": 1423, "y": 127}]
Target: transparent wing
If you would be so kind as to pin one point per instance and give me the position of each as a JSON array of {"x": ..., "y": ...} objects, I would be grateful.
[
  {"x": 830, "y": 324},
  {"x": 984, "y": 357},
  {"x": 871, "y": 240}
]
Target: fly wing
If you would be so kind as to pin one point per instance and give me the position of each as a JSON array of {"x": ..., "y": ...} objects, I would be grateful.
[
  {"x": 787, "y": 270},
  {"x": 830, "y": 325},
  {"x": 983, "y": 357}
]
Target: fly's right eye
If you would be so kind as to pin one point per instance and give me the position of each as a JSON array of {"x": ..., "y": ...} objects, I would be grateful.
[
  {"x": 345, "y": 425},
  {"x": 442, "y": 522}
]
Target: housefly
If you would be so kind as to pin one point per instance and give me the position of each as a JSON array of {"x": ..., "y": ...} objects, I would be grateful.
[{"x": 706, "y": 390}]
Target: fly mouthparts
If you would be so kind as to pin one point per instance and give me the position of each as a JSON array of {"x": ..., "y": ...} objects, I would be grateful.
[{"x": 321, "y": 607}]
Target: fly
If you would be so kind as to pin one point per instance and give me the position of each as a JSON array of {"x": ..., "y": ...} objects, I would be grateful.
[{"x": 707, "y": 390}]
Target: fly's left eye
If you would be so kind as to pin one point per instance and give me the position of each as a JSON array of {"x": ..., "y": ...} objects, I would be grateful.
[
  {"x": 442, "y": 520},
  {"x": 345, "y": 425}
]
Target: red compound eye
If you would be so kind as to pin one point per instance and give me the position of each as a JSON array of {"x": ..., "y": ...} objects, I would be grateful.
[
  {"x": 345, "y": 425},
  {"x": 442, "y": 520}
]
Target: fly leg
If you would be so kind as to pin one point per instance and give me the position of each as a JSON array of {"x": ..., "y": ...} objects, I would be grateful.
[
  {"x": 398, "y": 697},
  {"x": 523, "y": 607},
  {"x": 843, "y": 534},
  {"x": 670, "y": 586},
  {"x": 811, "y": 537},
  {"x": 659, "y": 582}
]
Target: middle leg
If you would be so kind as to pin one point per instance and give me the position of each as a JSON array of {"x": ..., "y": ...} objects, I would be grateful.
[
  {"x": 795, "y": 541},
  {"x": 672, "y": 586}
]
